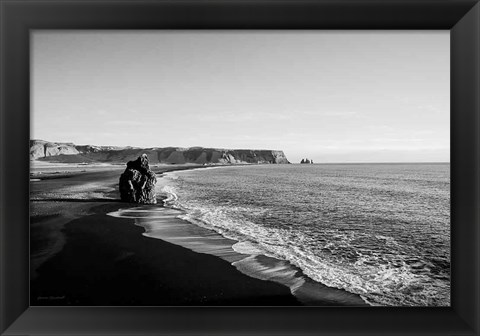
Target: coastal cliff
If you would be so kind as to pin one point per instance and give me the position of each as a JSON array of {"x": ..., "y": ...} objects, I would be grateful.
[{"x": 71, "y": 153}]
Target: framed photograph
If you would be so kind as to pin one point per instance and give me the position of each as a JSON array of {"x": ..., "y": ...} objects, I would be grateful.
[{"x": 240, "y": 167}]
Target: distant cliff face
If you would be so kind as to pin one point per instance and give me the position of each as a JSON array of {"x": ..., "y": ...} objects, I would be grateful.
[
  {"x": 68, "y": 152},
  {"x": 40, "y": 148}
]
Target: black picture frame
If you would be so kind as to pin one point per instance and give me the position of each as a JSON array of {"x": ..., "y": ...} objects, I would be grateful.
[{"x": 18, "y": 17}]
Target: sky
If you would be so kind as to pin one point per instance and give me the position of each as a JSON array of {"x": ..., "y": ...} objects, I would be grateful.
[{"x": 330, "y": 96}]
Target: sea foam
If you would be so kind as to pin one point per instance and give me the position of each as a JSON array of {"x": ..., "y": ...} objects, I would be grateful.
[{"x": 369, "y": 259}]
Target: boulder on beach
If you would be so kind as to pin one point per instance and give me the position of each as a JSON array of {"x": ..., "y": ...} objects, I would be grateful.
[{"x": 137, "y": 183}]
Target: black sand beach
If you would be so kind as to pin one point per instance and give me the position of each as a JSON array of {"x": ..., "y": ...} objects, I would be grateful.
[{"x": 80, "y": 256}]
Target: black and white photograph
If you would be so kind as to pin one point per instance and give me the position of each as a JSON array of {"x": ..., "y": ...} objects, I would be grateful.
[{"x": 240, "y": 168}]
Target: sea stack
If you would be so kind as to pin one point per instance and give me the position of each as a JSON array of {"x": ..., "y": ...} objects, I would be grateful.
[{"x": 137, "y": 183}]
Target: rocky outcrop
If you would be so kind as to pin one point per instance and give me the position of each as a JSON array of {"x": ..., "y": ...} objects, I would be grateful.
[
  {"x": 234, "y": 156},
  {"x": 41, "y": 150},
  {"x": 137, "y": 183}
]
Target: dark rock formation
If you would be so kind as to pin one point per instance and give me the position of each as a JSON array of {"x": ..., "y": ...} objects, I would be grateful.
[
  {"x": 137, "y": 183},
  {"x": 306, "y": 161}
]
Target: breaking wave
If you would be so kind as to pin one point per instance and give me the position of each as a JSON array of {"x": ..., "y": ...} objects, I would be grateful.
[{"x": 378, "y": 258}]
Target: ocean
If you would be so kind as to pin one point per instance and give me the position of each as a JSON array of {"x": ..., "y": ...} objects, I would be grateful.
[{"x": 378, "y": 231}]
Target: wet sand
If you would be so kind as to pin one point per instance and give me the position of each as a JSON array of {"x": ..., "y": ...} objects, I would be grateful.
[
  {"x": 82, "y": 256},
  {"x": 170, "y": 224}
]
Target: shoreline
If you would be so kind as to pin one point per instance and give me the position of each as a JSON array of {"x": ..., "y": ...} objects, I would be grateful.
[
  {"x": 92, "y": 259},
  {"x": 120, "y": 266},
  {"x": 179, "y": 232},
  {"x": 257, "y": 264}
]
